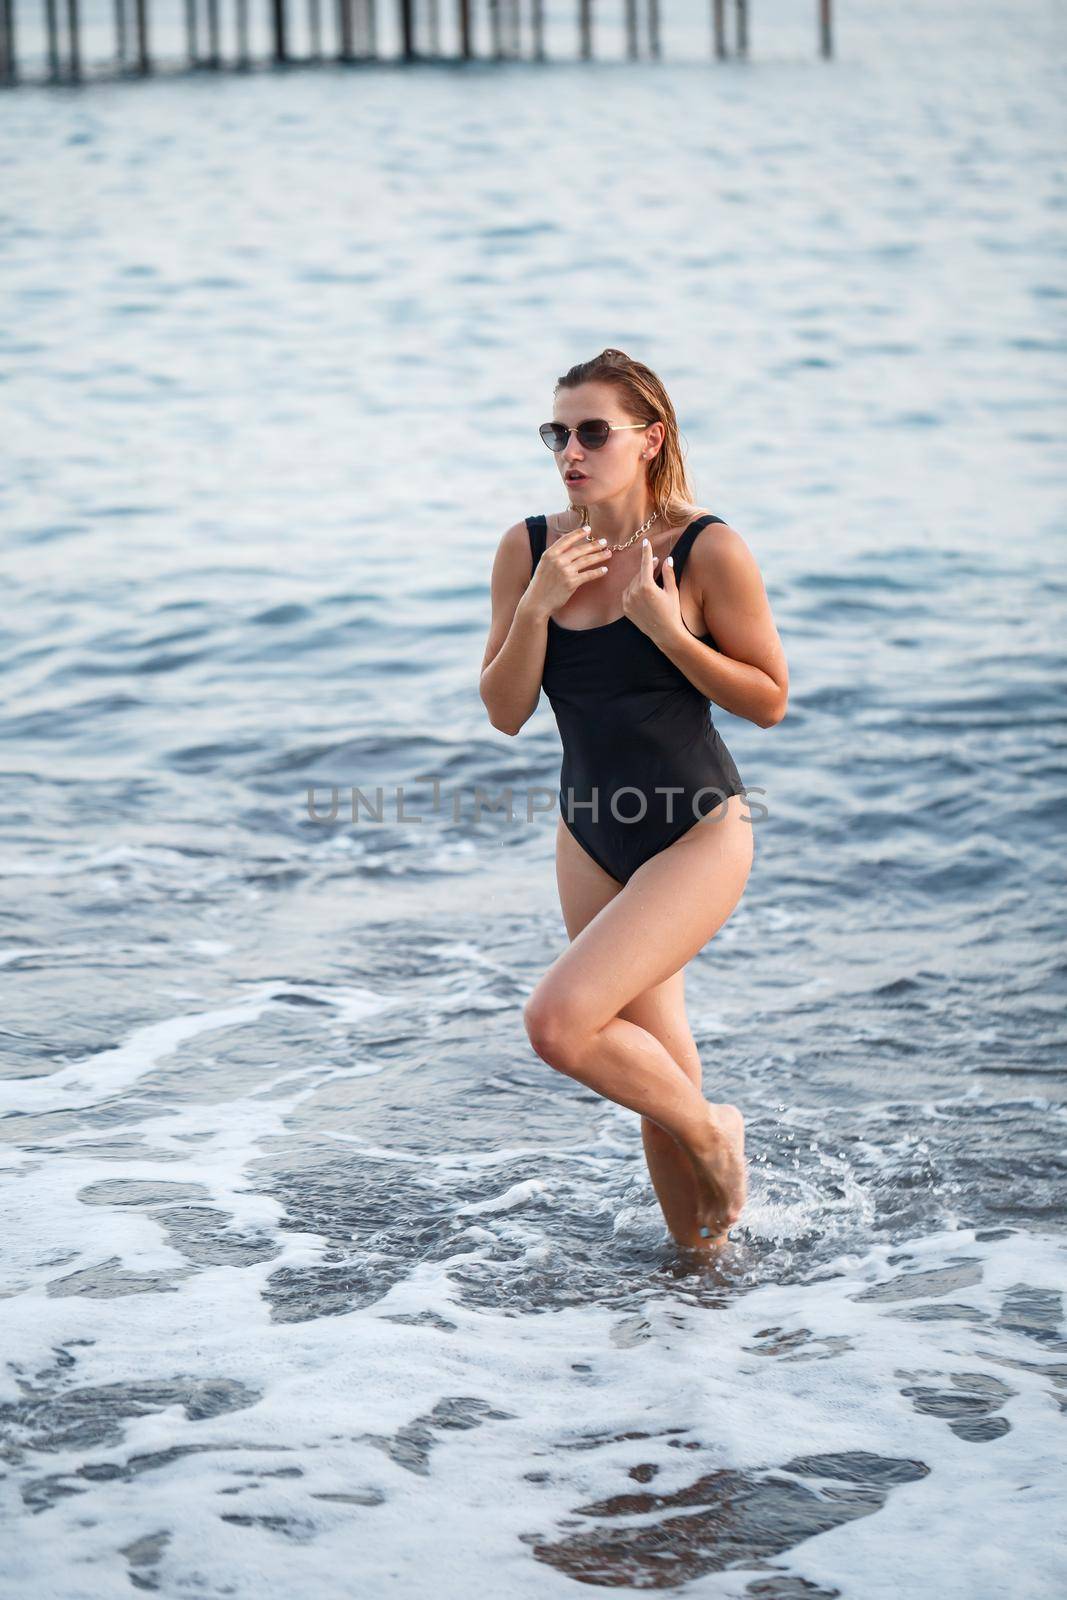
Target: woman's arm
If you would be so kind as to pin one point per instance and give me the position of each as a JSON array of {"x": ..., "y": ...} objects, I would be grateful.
[
  {"x": 510, "y": 682},
  {"x": 747, "y": 675}
]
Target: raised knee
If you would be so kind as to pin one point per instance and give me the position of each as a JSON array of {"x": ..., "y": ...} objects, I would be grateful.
[{"x": 552, "y": 1029}]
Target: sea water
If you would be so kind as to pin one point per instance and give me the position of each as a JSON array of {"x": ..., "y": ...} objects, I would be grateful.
[{"x": 316, "y": 1278}]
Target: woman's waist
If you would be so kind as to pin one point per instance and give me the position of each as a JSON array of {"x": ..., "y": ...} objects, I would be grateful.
[
  {"x": 663, "y": 735},
  {"x": 697, "y": 759}
]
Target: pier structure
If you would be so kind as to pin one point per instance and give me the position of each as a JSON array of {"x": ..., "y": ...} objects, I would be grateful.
[{"x": 217, "y": 35}]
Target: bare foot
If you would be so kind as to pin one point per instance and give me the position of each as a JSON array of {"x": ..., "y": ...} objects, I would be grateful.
[{"x": 721, "y": 1173}]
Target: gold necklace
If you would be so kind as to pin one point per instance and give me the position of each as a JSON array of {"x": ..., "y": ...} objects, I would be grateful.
[{"x": 627, "y": 543}]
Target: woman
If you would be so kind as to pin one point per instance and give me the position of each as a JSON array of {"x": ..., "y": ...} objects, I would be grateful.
[{"x": 653, "y": 844}]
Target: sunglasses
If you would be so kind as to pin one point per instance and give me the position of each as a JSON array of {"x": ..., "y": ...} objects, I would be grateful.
[{"x": 591, "y": 435}]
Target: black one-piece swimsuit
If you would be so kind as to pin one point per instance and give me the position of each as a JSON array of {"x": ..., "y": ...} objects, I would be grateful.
[{"x": 642, "y": 760}]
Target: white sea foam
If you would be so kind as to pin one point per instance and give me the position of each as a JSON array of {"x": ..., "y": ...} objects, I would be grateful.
[{"x": 333, "y": 1393}]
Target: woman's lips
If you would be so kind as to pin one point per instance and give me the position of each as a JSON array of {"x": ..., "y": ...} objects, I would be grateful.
[{"x": 583, "y": 477}]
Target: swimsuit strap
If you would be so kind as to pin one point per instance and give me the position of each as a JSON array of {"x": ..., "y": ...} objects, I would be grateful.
[
  {"x": 684, "y": 544},
  {"x": 537, "y": 528}
]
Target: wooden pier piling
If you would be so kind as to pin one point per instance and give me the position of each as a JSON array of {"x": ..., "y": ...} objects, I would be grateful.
[
  {"x": 74, "y": 41},
  {"x": 214, "y": 54},
  {"x": 51, "y": 22},
  {"x": 218, "y": 34},
  {"x": 407, "y": 30},
  {"x": 144, "y": 55},
  {"x": 8, "y": 51},
  {"x": 278, "y": 29}
]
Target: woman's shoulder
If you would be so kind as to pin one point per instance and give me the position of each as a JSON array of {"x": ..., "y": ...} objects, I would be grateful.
[{"x": 718, "y": 552}]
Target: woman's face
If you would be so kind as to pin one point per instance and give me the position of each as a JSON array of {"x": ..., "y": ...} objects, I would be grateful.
[{"x": 613, "y": 468}]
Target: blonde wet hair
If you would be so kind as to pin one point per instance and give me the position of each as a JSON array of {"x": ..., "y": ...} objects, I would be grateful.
[{"x": 644, "y": 399}]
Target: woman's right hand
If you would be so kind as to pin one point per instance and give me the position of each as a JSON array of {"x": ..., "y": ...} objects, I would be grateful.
[{"x": 567, "y": 564}]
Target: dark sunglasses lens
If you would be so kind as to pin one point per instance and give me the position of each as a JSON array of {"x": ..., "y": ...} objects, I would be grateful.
[
  {"x": 554, "y": 436},
  {"x": 591, "y": 435}
]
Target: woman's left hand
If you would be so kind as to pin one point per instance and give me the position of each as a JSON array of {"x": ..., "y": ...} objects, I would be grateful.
[{"x": 656, "y": 611}]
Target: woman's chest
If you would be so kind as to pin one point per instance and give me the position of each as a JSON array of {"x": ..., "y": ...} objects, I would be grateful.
[
  {"x": 592, "y": 608},
  {"x": 599, "y": 602},
  {"x": 604, "y": 665}
]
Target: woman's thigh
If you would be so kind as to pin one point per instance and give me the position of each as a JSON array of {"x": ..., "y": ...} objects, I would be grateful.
[
  {"x": 584, "y": 887},
  {"x": 629, "y": 940},
  {"x": 584, "y": 890}
]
